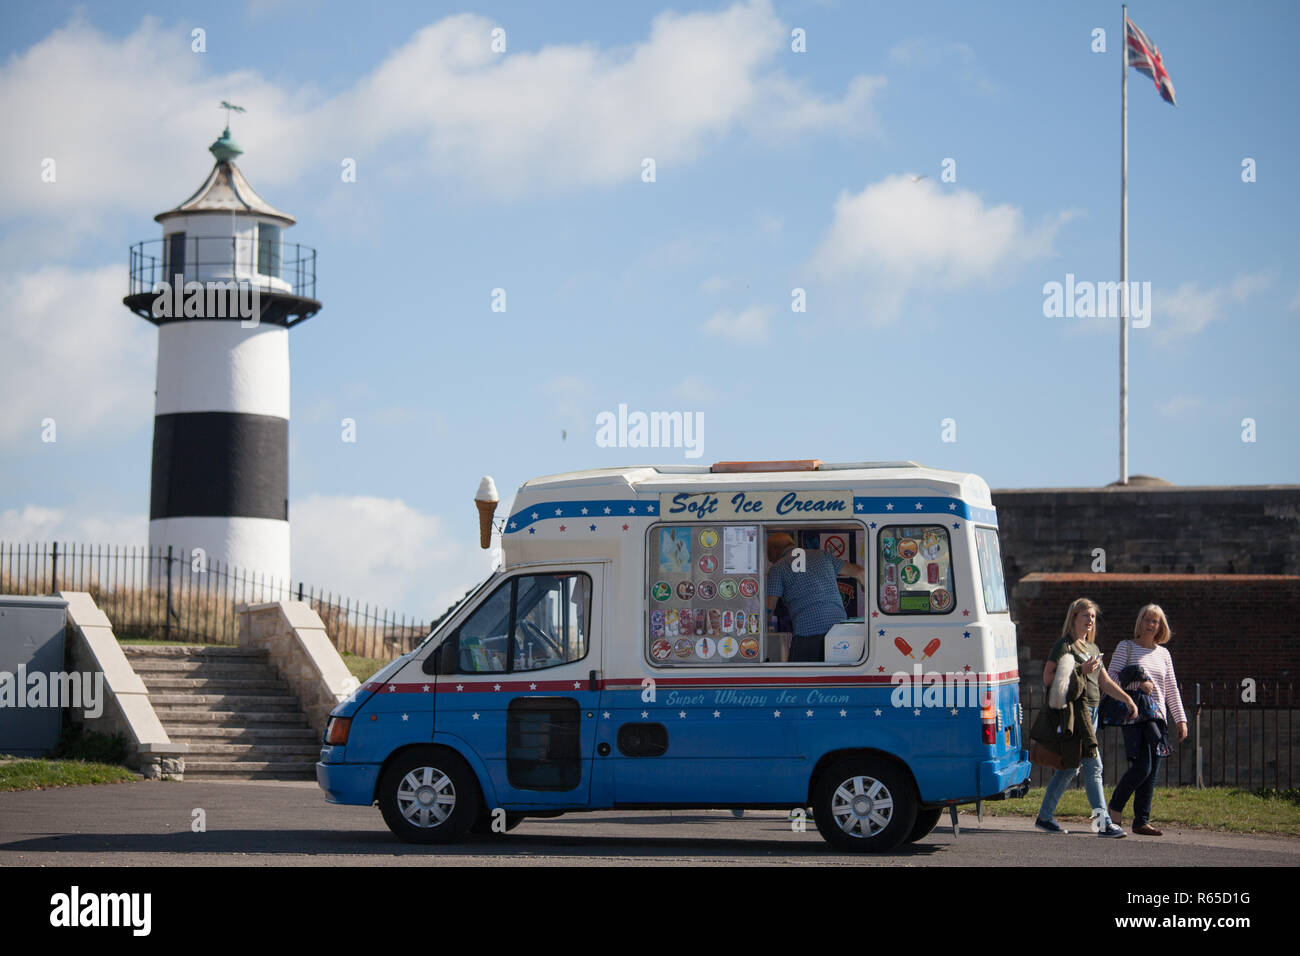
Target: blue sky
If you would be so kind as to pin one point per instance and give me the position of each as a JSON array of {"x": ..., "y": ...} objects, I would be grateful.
[{"x": 774, "y": 170}]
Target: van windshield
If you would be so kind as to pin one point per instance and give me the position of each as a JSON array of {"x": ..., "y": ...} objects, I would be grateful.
[{"x": 451, "y": 611}]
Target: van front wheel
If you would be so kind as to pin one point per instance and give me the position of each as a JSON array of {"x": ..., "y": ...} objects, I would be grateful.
[
  {"x": 429, "y": 796},
  {"x": 864, "y": 805}
]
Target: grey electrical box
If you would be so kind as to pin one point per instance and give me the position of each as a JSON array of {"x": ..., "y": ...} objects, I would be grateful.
[{"x": 31, "y": 642}]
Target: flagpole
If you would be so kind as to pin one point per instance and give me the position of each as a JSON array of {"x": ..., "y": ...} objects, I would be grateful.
[{"x": 1123, "y": 255}]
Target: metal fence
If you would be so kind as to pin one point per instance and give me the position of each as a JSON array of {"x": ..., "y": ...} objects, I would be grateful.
[
  {"x": 1239, "y": 735},
  {"x": 155, "y": 594}
]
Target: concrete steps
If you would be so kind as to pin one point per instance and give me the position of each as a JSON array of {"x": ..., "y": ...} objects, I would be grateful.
[{"x": 230, "y": 706}]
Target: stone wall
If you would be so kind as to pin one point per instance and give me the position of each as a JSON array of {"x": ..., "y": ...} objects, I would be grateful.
[
  {"x": 91, "y": 648},
  {"x": 301, "y": 651},
  {"x": 1226, "y": 627},
  {"x": 1150, "y": 529}
]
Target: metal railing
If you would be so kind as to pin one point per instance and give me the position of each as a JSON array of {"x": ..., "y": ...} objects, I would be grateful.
[
  {"x": 223, "y": 258},
  {"x": 155, "y": 594},
  {"x": 1239, "y": 735}
]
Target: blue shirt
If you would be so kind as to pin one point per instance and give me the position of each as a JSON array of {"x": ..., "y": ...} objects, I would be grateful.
[{"x": 811, "y": 595}]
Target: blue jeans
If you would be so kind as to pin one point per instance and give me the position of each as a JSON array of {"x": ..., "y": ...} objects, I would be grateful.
[
  {"x": 1140, "y": 778},
  {"x": 1061, "y": 780}
]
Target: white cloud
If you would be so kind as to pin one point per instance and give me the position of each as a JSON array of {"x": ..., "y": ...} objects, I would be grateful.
[
  {"x": 1191, "y": 307},
  {"x": 1294, "y": 305},
  {"x": 381, "y": 550},
  {"x": 715, "y": 284},
  {"x": 749, "y": 326},
  {"x": 561, "y": 117},
  {"x": 34, "y": 524},
  {"x": 1179, "y": 405},
  {"x": 899, "y": 235},
  {"x": 693, "y": 391},
  {"x": 73, "y": 353},
  {"x": 955, "y": 59}
]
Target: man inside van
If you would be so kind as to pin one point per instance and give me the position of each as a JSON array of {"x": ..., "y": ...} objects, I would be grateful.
[{"x": 810, "y": 591}]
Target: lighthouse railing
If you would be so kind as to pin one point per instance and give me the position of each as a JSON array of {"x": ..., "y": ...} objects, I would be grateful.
[{"x": 286, "y": 267}]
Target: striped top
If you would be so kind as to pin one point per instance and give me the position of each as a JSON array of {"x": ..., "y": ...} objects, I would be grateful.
[{"x": 1159, "y": 666}]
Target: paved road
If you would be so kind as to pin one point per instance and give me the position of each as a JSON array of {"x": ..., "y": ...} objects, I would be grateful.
[{"x": 289, "y": 824}]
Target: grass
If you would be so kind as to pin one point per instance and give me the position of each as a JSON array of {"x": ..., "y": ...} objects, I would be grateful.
[
  {"x": 364, "y": 667},
  {"x": 1214, "y": 808},
  {"x": 41, "y": 774}
]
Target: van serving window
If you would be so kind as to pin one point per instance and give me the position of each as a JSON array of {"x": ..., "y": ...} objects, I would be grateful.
[
  {"x": 707, "y": 590},
  {"x": 914, "y": 571}
]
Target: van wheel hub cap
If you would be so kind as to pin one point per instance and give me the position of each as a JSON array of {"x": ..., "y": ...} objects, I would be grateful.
[
  {"x": 426, "y": 797},
  {"x": 862, "y": 806}
]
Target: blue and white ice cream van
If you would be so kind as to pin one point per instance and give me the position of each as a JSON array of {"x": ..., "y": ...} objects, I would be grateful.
[{"x": 626, "y": 655}]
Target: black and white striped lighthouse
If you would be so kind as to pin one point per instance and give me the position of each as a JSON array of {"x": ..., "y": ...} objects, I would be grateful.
[{"x": 224, "y": 289}]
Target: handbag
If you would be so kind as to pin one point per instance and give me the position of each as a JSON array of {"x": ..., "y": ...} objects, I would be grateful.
[
  {"x": 1042, "y": 756},
  {"x": 1045, "y": 740}
]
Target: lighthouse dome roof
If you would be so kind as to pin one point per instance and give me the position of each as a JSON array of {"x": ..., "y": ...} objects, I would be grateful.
[{"x": 226, "y": 190}]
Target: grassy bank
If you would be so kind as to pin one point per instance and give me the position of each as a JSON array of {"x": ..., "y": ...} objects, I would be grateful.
[
  {"x": 40, "y": 774},
  {"x": 1214, "y": 808}
]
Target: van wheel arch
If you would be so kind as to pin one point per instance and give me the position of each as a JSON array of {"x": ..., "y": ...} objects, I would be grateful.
[{"x": 828, "y": 760}]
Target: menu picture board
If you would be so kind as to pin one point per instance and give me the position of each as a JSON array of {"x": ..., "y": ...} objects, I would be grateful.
[
  {"x": 705, "y": 595},
  {"x": 915, "y": 570}
]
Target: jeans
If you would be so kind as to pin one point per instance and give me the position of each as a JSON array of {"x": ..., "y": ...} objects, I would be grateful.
[
  {"x": 1061, "y": 780},
  {"x": 1139, "y": 780}
]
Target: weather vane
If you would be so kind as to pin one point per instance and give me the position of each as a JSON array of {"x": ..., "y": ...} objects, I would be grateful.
[{"x": 227, "y": 106}]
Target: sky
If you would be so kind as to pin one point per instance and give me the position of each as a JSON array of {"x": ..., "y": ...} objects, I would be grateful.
[{"x": 916, "y": 181}]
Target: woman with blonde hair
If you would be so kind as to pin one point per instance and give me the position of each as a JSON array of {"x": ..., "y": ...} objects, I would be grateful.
[
  {"x": 1145, "y": 742},
  {"x": 1074, "y": 670}
]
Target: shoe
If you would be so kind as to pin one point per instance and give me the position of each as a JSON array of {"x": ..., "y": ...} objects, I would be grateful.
[
  {"x": 1050, "y": 826},
  {"x": 1146, "y": 829},
  {"x": 1111, "y": 831}
]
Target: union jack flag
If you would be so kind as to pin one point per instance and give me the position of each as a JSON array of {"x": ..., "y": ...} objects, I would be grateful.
[{"x": 1145, "y": 58}]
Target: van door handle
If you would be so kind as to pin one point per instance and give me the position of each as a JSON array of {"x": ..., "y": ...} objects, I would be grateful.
[{"x": 593, "y": 678}]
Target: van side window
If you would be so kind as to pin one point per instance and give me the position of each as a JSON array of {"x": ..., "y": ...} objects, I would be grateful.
[
  {"x": 531, "y": 622},
  {"x": 915, "y": 570},
  {"x": 990, "y": 558}
]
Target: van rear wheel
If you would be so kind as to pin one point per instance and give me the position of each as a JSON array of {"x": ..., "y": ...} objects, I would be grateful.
[
  {"x": 864, "y": 805},
  {"x": 429, "y": 796}
]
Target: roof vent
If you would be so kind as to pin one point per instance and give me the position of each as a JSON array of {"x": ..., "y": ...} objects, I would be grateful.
[{"x": 803, "y": 464}]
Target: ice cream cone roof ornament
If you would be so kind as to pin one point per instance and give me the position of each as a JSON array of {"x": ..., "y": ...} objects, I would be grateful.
[{"x": 485, "y": 499}]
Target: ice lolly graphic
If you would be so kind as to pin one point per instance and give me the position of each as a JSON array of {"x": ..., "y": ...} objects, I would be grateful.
[
  {"x": 903, "y": 646},
  {"x": 672, "y": 624},
  {"x": 486, "y": 501},
  {"x": 753, "y": 623},
  {"x": 740, "y": 622},
  {"x": 727, "y": 622},
  {"x": 715, "y": 621},
  {"x": 686, "y": 621},
  {"x": 930, "y": 648}
]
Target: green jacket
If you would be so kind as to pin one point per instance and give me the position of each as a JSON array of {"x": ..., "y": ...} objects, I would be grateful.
[{"x": 1068, "y": 731}]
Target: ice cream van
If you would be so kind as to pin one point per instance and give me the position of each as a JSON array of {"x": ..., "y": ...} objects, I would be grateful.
[{"x": 631, "y": 652}]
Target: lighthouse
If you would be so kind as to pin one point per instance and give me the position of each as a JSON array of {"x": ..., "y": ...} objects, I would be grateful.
[{"x": 224, "y": 289}]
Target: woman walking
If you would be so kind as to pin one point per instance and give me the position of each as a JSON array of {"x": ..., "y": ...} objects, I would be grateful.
[
  {"x": 1077, "y": 652},
  {"x": 1146, "y": 741}
]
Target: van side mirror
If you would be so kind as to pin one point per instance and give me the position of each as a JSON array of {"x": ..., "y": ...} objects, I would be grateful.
[{"x": 432, "y": 661}]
